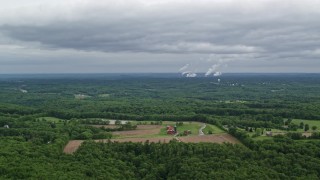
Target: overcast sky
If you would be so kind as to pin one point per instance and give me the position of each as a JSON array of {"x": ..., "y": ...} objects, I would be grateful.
[{"x": 103, "y": 36}]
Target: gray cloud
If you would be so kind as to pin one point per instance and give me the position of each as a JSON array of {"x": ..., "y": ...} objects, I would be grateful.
[{"x": 252, "y": 32}]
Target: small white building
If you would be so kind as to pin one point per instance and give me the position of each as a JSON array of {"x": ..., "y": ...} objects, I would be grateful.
[{"x": 6, "y": 126}]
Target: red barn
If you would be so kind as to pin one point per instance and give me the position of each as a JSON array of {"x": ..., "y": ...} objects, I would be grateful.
[{"x": 170, "y": 130}]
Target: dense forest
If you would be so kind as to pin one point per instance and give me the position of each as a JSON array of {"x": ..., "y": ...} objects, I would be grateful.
[{"x": 31, "y": 147}]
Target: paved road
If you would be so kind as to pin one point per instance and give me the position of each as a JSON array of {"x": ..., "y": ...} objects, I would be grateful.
[{"x": 201, "y": 129}]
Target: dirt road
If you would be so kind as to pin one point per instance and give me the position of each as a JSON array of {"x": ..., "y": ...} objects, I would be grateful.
[{"x": 201, "y": 129}]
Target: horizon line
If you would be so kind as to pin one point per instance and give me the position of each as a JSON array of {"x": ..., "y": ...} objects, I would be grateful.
[{"x": 92, "y": 73}]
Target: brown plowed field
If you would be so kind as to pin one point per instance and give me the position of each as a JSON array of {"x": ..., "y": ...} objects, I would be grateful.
[
  {"x": 141, "y": 130},
  {"x": 73, "y": 145},
  {"x": 153, "y": 139},
  {"x": 218, "y": 138},
  {"x": 145, "y": 130}
]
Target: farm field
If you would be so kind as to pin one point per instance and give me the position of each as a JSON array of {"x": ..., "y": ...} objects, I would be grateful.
[
  {"x": 216, "y": 138},
  {"x": 278, "y": 132},
  {"x": 140, "y": 131},
  {"x": 157, "y": 133},
  {"x": 213, "y": 129},
  {"x": 73, "y": 145},
  {"x": 308, "y": 133},
  {"x": 145, "y": 130},
  {"x": 191, "y": 126}
]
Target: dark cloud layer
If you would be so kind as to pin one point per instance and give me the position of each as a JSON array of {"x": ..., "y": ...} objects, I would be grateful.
[{"x": 233, "y": 31}]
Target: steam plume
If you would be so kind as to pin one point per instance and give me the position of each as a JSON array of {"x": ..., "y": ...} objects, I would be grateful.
[
  {"x": 187, "y": 73},
  {"x": 191, "y": 74},
  {"x": 212, "y": 69},
  {"x": 184, "y": 67},
  {"x": 217, "y": 74}
]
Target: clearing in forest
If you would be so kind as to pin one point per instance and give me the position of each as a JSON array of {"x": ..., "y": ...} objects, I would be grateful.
[
  {"x": 73, "y": 145},
  {"x": 269, "y": 133},
  {"x": 142, "y": 130},
  {"x": 157, "y": 133}
]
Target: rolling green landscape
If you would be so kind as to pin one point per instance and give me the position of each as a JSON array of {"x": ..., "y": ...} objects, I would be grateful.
[
  {"x": 160, "y": 90},
  {"x": 276, "y": 133}
]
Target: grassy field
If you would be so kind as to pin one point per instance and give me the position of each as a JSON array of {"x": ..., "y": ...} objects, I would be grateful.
[
  {"x": 310, "y": 122},
  {"x": 192, "y": 126},
  {"x": 295, "y": 121},
  {"x": 51, "y": 119},
  {"x": 158, "y": 133},
  {"x": 263, "y": 136},
  {"x": 214, "y": 129}
]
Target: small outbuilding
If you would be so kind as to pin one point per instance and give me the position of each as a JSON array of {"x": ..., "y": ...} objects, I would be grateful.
[{"x": 171, "y": 130}]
